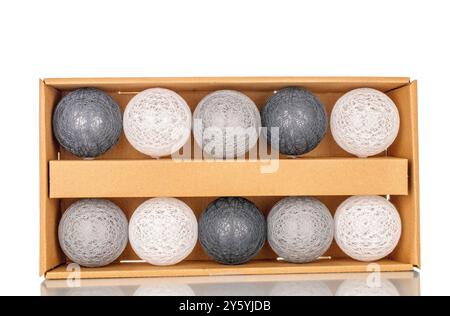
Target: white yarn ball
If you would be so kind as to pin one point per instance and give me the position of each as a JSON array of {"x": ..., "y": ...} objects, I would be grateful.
[
  {"x": 364, "y": 122},
  {"x": 367, "y": 228},
  {"x": 226, "y": 124},
  {"x": 361, "y": 287},
  {"x": 157, "y": 122},
  {"x": 93, "y": 232},
  {"x": 163, "y": 231},
  {"x": 300, "y": 229}
]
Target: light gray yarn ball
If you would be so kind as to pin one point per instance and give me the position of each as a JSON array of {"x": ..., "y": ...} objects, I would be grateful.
[
  {"x": 157, "y": 122},
  {"x": 93, "y": 232},
  {"x": 163, "y": 231},
  {"x": 87, "y": 122},
  {"x": 368, "y": 228},
  {"x": 226, "y": 124},
  {"x": 300, "y": 229},
  {"x": 300, "y": 117},
  {"x": 364, "y": 122}
]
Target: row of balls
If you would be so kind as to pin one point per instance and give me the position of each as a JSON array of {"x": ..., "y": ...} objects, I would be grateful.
[
  {"x": 225, "y": 123},
  {"x": 231, "y": 230}
]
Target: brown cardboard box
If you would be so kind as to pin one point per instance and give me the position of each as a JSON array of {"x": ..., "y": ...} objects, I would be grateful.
[{"x": 127, "y": 177}]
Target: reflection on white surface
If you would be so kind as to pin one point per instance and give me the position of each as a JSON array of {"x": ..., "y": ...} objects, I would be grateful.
[
  {"x": 302, "y": 288},
  {"x": 164, "y": 290},
  {"x": 355, "y": 284},
  {"x": 360, "y": 287},
  {"x": 234, "y": 288},
  {"x": 94, "y": 291}
]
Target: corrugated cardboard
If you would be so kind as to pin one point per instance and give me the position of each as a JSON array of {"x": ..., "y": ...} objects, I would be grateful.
[{"x": 128, "y": 177}]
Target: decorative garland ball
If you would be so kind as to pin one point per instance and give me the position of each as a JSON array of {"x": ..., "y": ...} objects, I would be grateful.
[
  {"x": 362, "y": 287},
  {"x": 367, "y": 228},
  {"x": 93, "y": 232},
  {"x": 365, "y": 122},
  {"x": 300, "y": 117},
  {"x": 226, "y": 124},
  {"x": 87, "y": 122},
  {"x": 163, "y": 231},
  {"x": 232, "y": 230},
  {"x": 157, "y": 122},
  {"x": 300, "y": 229}
]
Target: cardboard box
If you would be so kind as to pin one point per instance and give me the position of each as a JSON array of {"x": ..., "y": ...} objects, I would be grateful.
[{"x": 128, "y": 177}]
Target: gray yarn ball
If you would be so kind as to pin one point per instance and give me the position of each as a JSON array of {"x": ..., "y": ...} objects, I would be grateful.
[
  {"x": 300, "y": 229},
  {"x": 301, "y": 118},
  {"x": 232, "y": 230},
  {"x": 87, "y": 122},
  {"x": 93, "y": 232}
]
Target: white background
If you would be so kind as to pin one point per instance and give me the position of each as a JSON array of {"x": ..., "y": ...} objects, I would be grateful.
[{"x": 213, "y": 38}]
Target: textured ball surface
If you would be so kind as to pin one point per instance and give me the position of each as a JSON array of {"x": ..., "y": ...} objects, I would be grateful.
[
  {"x": 300, "y": 117},
  {"x": 367, "y": 228},
  {"x": 364, "y": 122},
  {"x": 232, "y": 230},
  {"x": 87, "y": 122},
  {"x": 93, "y": 232},
  {"x": 300, "y": 229},
  {"x": 226, "y": 124},
  {"x": 361, "y": 287},
  {"x": 157, "y": 122},
  {"x": 163, "y": 231}
]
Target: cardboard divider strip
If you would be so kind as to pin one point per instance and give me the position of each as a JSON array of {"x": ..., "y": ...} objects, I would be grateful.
[{"x": 151, "y": 178}]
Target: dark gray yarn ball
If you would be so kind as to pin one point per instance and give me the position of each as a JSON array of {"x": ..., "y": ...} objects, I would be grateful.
[
  {"x": 87, "y": 122},
  {"x": 301, "y": 118},
  {"x": 232, "y": 230}
]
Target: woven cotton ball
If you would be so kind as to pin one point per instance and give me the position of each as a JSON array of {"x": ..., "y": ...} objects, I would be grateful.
[
  {"x": 157, "y": 122},
  {"x": 163, "y": 231},
  {"x": 87, "y": 122},
  {"x": 232, "y": 230},
  {"x": 364, "y": 122},
  {"x": 300, "y": 117},
  {"x": 367, "y": 228},
  {"x": 300, "y": 229},
  {"x": 226, "y": 124},
  {"x": 93, "y": 232},
  {"x": 363, "y": 287}
]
